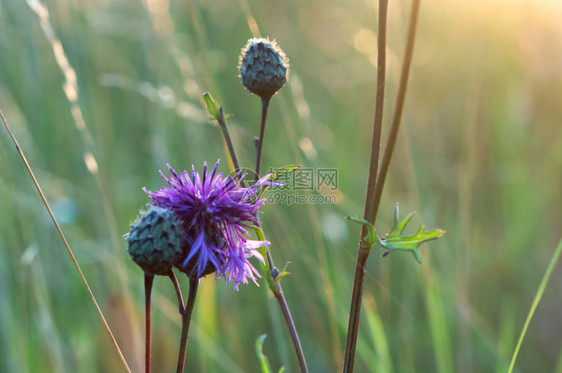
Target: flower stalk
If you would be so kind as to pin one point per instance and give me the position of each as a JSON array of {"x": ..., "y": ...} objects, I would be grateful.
[
  {"x": 259, "y": 142},
  {"x": 178, "y": 291},
  {"x": 217, "y": 114},
  {"x": 186, "y": 321},
  {"x": 291, "y": 326},
  {"x": 273, "y": 272},
  {"x": 222, "y": 123},
  {"x": 273, "y": 278},
  {"x": 263, "y": 71},
  {"x": 148, "y": 281}
]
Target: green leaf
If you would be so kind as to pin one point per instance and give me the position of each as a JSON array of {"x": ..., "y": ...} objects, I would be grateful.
[
  {"x": 265, "y": 268},
  {"x": 275, "y": 175},
  {"x": 395, "y": 241},
  {"x": 272, "y": 275},
  {"x": 371, "y": 237},
  {"x": 212, "y": 108},
  {"x": 264, "y": 362},
  {"x": 281, "y": 275}
]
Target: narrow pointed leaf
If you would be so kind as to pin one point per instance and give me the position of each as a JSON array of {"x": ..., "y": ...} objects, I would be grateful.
[
  {"x": 211, "y": 106},
  {"x": 371, "y": 237},
  {"x": 264, "y": 362},
  {"x": 396, "y": 218},
  {"x": 281, "y": 275},
  {"x": 275, "y": 175},
  {"x": 405, "y": 222}
]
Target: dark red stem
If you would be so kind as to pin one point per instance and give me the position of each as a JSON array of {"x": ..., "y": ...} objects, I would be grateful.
[
  {"x": 376, "y": 181},
  {"x": 148, "y": 281}
]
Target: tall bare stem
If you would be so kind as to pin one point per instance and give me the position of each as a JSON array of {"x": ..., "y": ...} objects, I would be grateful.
[{"x": 376, "y": 180}]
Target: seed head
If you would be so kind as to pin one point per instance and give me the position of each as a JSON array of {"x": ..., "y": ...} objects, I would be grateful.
[
  {"x": 155, "y": 241},
  {"x": 264, "y": 68}
]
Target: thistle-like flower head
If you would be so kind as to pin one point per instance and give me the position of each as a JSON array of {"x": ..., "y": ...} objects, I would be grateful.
[
  {"x": 263, "y": 67},
  {"x": 156, "y": 241},
  {"x": 215, "y": 212}
]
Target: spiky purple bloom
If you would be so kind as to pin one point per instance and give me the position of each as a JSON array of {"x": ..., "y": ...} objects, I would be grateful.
[{"x": 215, "y": 212}]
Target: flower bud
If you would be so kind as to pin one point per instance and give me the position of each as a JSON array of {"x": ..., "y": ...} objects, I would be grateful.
[
  {"x": 155, "y": 241},
  {"x": 263, "y": 67}
]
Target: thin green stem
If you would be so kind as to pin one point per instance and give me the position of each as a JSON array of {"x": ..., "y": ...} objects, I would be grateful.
[
  {"x": 185, "y": 322},
  {"x": 259, "y": 143},
  {"x": 274, "y": 284},
  {"x": 148, "y": 281},
  {"x": 222, "y": 124},
  {"x": 178, "y": 291},
  {"x": 374, "y": 191},
  {"x": 271, "y": 272},
  {"x": 538, "y": 296}
]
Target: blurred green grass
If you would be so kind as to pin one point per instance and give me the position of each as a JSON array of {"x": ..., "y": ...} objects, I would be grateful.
[{"x": 480, "y": 155}]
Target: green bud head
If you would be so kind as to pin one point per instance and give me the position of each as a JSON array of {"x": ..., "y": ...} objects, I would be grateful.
[
  {"x": 155, "y": 241},
  {"x": 264, "y": 68}
]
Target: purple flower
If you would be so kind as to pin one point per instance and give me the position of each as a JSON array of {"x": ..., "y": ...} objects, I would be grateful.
[{"x": 215, "y": 212}]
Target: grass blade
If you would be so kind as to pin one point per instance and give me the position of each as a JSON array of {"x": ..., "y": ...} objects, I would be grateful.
[
  {"x": 64, "y": 241},
  {"x": 538, "y": 296}
]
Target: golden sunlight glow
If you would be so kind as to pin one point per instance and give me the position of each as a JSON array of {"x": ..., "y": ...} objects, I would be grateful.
[{"x": 365, "y": 41}]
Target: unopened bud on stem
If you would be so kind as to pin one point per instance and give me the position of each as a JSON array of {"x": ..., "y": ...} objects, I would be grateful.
[
  {"x": 155, "y": 241},
  {"x": 263, "y": 67}
]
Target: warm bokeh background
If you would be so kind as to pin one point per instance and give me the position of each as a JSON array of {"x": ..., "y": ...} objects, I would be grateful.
[{"x": 479, "y": 155}]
